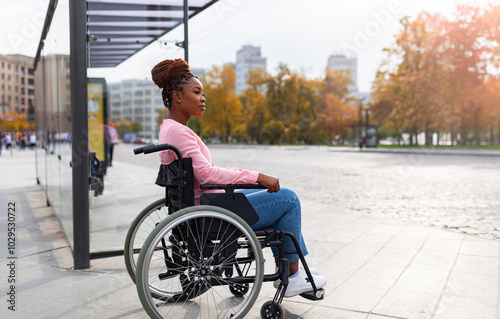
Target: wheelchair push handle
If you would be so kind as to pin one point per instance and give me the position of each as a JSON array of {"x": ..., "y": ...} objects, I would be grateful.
[
  {"x": 140, "y": 150},
  {"x": 156, "y": 148}
]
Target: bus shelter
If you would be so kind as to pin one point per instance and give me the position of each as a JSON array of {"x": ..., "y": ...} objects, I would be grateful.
[{"x": 71, "y": 108}]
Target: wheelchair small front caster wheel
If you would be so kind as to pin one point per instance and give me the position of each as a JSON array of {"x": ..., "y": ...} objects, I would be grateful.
[
  {"x": 239, "y": 290},
  {"x": 270, "y": 310},
  {"x": 320, "y": 294}
]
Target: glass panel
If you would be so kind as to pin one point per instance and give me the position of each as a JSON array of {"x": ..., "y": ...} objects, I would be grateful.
[
  {"x": 53, "y": 119},
  {"x": 129, "y": 181}
]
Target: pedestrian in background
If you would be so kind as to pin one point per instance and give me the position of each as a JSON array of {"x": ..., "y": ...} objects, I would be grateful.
[
  {"x": 22, "y": 140},
  {"x": 111, "y": 140},
  {"x": 32, "y": 140},
  {"x": 53, "y": 141},
  {"x": 8, "y": 141}
]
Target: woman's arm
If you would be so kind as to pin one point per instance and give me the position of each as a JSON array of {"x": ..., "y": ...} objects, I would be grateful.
[{"x": 190, "y": 145}]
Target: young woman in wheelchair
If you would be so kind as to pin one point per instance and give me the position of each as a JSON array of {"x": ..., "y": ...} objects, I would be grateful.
[{"x": 277, "y": 208}]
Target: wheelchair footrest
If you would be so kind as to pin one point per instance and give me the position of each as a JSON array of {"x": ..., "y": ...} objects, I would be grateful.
[
  {"x": 311, "y": 295},
  {"x": 169, "y": 274}
]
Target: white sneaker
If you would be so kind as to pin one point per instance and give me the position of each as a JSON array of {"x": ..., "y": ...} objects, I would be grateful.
[
  {"x": 300, "y": 284},
  {"x": 313, "y": 271}
]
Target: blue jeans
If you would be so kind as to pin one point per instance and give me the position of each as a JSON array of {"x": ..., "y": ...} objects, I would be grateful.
[{"x": 280, "y": 211}]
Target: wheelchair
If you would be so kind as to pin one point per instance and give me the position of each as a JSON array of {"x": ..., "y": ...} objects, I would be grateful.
[{"x": 204, "y": 261}]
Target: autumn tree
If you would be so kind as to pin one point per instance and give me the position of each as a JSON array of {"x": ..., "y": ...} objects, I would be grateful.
[
  {"x": 409, "y": 93},
  {"x": 337, "y": 115},
  {"x": 17, "y": 122},
  {"x": 256, "y": 114},
  {"x": 489, "y": 98},
  {"x": 293, "y": 100},
  {"x": 282, "y": 96},
  {"x": 224, "y": 108},
  {"x": 162, "y": 114},
  {"x": 470, "y": 52},
  {"x": 123, "y": 126},
  {"x": 430, "y": 79},
  {"x": 274, "y": 131}
]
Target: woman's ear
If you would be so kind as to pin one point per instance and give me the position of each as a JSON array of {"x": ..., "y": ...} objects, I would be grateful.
[{"x": 175, "y": 96}]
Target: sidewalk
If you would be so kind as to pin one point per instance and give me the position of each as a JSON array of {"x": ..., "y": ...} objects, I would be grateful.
[{"x": 376, "y": 268}]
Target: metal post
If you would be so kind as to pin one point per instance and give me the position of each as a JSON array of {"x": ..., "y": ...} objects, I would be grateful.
[
  {"x": 186, "y": 36},
  {"x": 3, "y": 113},
  {"x": 79, "y": 136},
  {"x": 45, "y": 131}
]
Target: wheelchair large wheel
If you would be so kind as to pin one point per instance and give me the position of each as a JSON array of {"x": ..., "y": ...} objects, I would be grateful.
[
  {"x": 196, "y": 259},
  {"x": 139, "y": 230}
]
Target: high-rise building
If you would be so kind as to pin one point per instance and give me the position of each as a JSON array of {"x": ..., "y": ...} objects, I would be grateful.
[
  {"x": 247, "y": 58},
  {"x": 136, "y": 101},
  {"x": 17, "y": 85},
  {"x": 197, "y": 72},
  {"x": 338, "y": 62}
]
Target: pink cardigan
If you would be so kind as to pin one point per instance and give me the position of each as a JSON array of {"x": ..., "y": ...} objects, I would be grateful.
[{"x": 190, "y": 145}]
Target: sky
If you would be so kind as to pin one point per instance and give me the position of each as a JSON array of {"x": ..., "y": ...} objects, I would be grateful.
[{"x": 301, "y": 34}]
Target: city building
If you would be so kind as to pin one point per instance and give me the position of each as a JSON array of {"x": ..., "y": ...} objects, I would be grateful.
[
  {"x": 197, "y": 72},
  {"x": 17, "y": 85},
  {"x": 136, "y": 101},
  {"x": 247, "y": 58},
  {"x": 53, "y": 109},
  {"x": 339, "y": 62}
]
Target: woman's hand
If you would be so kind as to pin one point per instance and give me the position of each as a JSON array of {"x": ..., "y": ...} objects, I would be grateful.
[{"x": 270, "y": 182}]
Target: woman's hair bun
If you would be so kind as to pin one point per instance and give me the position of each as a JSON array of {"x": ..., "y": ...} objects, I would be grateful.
[{"x": 170, "y": 71}]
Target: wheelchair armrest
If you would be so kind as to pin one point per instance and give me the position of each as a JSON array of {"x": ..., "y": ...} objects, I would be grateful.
[{"x": 229, "y": 188}]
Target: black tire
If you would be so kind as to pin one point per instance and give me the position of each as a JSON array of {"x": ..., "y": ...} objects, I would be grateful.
[
  {"x": 180, "y": 268},
  {"x": 270, "y": 310},
  {"x": 139, "y": 230},
  {"x": 239, "y": 290}
]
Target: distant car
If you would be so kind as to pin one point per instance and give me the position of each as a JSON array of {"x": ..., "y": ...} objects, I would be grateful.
[{"x": 138, "y": 141}]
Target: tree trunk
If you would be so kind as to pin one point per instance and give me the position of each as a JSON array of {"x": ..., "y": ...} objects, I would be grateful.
[
  {"x": 428, "y": 135},
  {"x": 462, "y": 131},
  {"x": 477, "y": 132},
  {"x": 492, "y": 136},
  {"x": 498, "y": 132}
]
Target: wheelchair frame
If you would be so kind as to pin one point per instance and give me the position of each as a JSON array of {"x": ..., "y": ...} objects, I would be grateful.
[{"x": 230, "y": 208}]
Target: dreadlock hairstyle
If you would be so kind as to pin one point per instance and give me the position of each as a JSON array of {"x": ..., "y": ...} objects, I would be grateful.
[{"x": 170, "y": 76}]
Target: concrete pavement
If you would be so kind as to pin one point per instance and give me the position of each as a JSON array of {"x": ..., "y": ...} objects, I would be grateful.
[{"x": 376, "y": 267}]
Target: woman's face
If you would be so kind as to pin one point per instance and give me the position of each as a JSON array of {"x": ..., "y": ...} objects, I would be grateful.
[{"x": 192, "y": 98}]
